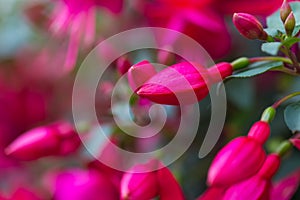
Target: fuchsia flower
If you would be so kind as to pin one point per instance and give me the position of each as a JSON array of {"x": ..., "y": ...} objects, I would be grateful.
[
  {"x": 140, "y": 185},
  {"x": 249, "y": 26},
  {"x": 55, "y": 139},
  {"x": 295, "y": 142},
  {"x": 78, "y": 184},
  {"x": 183, "y": 83},
  {"x": 238, "y": 160},
  {"x": 285, "y": 188},
  {"x": 78, "y": 18},
  {"x": 257, "y": 187}
]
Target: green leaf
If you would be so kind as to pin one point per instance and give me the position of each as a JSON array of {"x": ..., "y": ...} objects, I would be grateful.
[
  {"x": 256, "y": 69},
  {"x": 296, "y": 10},
  {"x": 274, "y": 22},
  {"x": 271, "y": 48},
  {"x": 290, "y": 41},
  {"x": 292, "y": 116},
  {"x": 296, "y": 30}
]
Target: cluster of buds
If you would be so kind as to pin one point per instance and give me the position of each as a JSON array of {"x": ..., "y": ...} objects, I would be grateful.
[
  {"x": 183, "y": 82},
  {"x": 287, "y": 17},
  {"x": 242, "y": 163},
  {"x": 55, "y": 139}
]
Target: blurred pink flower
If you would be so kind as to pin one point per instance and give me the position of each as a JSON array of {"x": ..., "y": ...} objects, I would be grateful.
[
  {"x": 257, "y": 187},
  {"x": 285, "y": 188},
  {"x": 237, "y": 161},
  {"x": 213, "y": 193},
  {"x": 78, "y": 18},
  {"x": 202, "y": 20},
  {"x": 79, "y": 184},
  {"x": 139, "y": 185},
  {"x": 55, "y": 139}
]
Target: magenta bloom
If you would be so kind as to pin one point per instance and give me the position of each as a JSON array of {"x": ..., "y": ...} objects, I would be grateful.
[
  {"x": 55, "y": 139},
  {"x": 238, "y": 160},
  {"x": 182, "y": 83},
  {"x": 257, "y": 187},
  {"x": 249, "y": 26},
  {"x": 78, "y": 184},
  {"x": 78, "y": 18},
  {"x": 137, "y": 185},
  {"x": 285, "y": 188},
  {"x": 196, "y": 19}
]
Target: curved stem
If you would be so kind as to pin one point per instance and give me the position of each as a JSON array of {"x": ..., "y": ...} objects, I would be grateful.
[
  {"x": 270, "y": 58},
  {"x": 279, "y": 102}
]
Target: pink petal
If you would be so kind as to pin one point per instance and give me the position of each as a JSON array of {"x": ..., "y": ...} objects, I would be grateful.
[{"x": 180, "y": 83}]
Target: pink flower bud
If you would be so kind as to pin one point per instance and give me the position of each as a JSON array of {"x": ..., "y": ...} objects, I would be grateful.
[
  {"x": 139, "y": 73},
  {"x": 295, "y": 142},
  {"x": 249, "y": 26},
  {"x": 137, "y": 185},
  {"x": 257, "y": 187},
  {"x": 55, "y": 139},
  {"x": 123, "y": 65},
  {"x": 260, "y": 131},
  {"x": 285, "y": 188},
  {"x": 285, "y": 10},
  {"x": 290, "y": 23},
  {"x": 78, "y": 184},
  {"x": 238, "y": 160},
  {"x": 220, "y": 71},
  {"x": 183, "y": 83}
]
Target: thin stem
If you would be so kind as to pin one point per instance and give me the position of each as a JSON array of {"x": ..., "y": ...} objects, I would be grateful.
[
  {"x": 279, "y": 102},
  {"x": 284, "y": 147},
  {"x": 270, "y": 58}
]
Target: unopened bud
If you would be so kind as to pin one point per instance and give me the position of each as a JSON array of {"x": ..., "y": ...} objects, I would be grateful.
[
  {"x": 249, "y": 26},
  {"x": 289, "y": 24},
  {"x": 285, "y": 10}
]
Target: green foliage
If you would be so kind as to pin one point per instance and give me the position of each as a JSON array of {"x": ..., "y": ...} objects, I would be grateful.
[
  {"x": 292, "y": 116},
  {"x": 256, "y": 69}
]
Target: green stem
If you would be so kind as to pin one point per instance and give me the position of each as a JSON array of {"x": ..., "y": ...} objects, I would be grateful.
[
  {"x": 284, "y": 147},
  {"x": 279, "y": 102},
  {"x": 270, "y": 58}
]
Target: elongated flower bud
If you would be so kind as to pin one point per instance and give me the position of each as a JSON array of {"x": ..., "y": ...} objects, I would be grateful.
[
  {"x": 137, "y": 185},
  {"x": 289, "y": 24},
  {"x": 184, "y": 83},
  {"x": 249, "y": 26},
  {"x": 238, "y": 160},
  {"x": 55, "y": 139},
  {"x": 260, "y": 131},
  {"x": 285, "y": 10},
  {"x": 139, "y": 73},
  {"x": 257, "y": 187}
]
